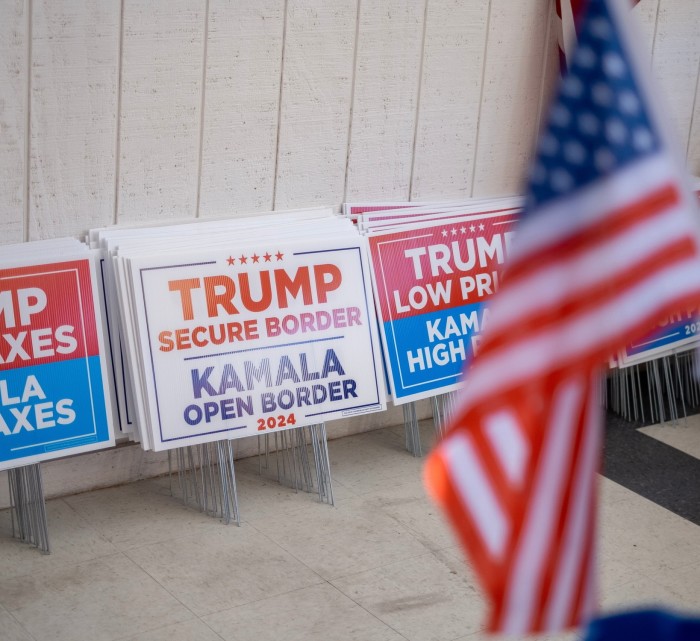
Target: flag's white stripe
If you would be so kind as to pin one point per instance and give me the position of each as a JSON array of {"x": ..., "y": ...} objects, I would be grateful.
[
  {"x": 539, "y": 352},
  {"x": 568, "y": 31},
  {"x": 475, "y": 491},
  {"x": 567, "y": 579},
  {"x": 566, "y": 217},
  {"x": 525, "y": 581},
  {"x": 596, "y": 266},
  {"x": 506, "y": 438}
]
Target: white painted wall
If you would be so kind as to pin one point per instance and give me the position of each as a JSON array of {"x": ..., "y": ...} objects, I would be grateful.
[{"x": 121, "y": 110}]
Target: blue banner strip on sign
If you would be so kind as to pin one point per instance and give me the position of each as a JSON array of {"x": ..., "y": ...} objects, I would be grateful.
[
  {"x": 429, "y": 351},
  {"x": 51, "y": 407},
  {"x": 674, "y": 333},
  {"x": 75, "y": 442}
]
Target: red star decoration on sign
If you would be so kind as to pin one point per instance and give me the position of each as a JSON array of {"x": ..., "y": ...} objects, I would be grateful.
[
  {"x": 243, "y": 260},
  {"x": 255, "y": 258},
  {"x": 230, "y": 260},
  {"x": 267, "y": 257},
  {"x": 279, "y": 255}
]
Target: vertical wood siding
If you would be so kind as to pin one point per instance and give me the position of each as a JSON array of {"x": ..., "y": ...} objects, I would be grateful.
[
  {"x": 73, "y": 50},
  {"x": 125, "y": 110},
  {"x": 241, "y": 106},
  {"x": 162, "y": 63},
  {"x": 316, "y": 101},
  {"x": 14, "y": 25},
  {"x": 451, "y": 90}
]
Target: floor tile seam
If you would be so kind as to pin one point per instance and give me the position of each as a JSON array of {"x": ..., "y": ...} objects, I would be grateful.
[
  {"x": 363, "y": 608},
  {"x": 218, "y": 636},
  {"x": 62, "y": 565},
  {"x": 650, "y": 571},
  {"x": 481, "y": 630},
  {"x": 639, "y": 604},
  {"x": 341, "y": 509},
  {"x": 314, "y": 501},
  {"x": 286, "y": 511},
  {"x": 408, "y": 483},
  {"x": 86, "y": 522},
  {"x": 166, "y": 590},
  {"x": 672, "y": 587},
  {"x": 162, "y": 627},
  {"x": 669, "y": 517},
  {"x": 289, "y": 552},
  {"x": 329, "y": 579},
  {"x": 169, "y": 539},
  {"x": 382, "y": 566},
  {"x": 407, "y": 532},
  {"x": 386, "y": 476},
  {"x": 424, "y": 540},
  {"x": 336, "y": 482},
  {"x": 269, "y": 595},
  {"x": 19, "y": 623},
  {"x": 410, "y": 530},
  {"x": 148, "y": 630}
]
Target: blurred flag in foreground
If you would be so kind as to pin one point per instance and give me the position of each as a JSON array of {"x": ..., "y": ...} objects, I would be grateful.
[
  {"x": 568, "y": 13},
  {"x": 607, "y": 246},
  {"x": 644, "y": 625}
]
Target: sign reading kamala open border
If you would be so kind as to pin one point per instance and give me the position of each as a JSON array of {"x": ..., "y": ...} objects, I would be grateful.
[
  {"x": 52, "y": 398},
  {"x": 267, "y": 338}
]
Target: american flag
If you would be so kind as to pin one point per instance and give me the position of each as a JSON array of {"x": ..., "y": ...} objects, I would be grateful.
[
  {"x": 608, "y": 245},
  {"x": 567, "y": 13}
]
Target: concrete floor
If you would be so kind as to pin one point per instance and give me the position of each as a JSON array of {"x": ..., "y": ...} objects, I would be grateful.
[{"x": 132, "y": 562}]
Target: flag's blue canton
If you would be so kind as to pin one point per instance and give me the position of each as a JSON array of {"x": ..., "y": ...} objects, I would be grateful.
[{"x": 598, "y": 122}]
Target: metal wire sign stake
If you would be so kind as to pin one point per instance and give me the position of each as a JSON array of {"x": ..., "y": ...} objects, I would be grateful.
[{"x": 28, "y": 507}]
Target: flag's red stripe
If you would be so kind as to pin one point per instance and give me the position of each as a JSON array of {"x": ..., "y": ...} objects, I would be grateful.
[
  {"x": 588, "y": 568},
  {"x": 587, "y": 478},
  {"x": 581, "y": 302},
  {"x": 580, "y": 475},
  {"x": 595, "y": 355},
  {"x": 498, "y": 478},
  {"x": 556, "y": 551},
  {"x": 563, "y": 576},
  {"x": 616, "y": 222},
  {"x": 525, "y": 525},
  {"x": 438, "y": 480},
  {"x": 518, "y": 510}
]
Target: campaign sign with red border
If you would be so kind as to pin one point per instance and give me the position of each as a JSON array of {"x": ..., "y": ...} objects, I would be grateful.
[
  {"x": 52, "y": 400},
  {"x": 431, "y": 284},
  {"x": 257, "y": 340},
  {"x": 679, "y": 332}
]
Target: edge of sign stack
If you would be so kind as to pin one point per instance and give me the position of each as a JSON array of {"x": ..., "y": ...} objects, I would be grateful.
[
  {"x": 261, "y": 325},
  {"x": 185, "y": 336},
  {"x": 434, "y": 267},
  {"x": 54, "y": 393}
]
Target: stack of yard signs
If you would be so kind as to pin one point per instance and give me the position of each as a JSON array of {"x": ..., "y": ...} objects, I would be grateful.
[
  {"x": 434, "y": 267},
  {"x": 241, "y": 327},
  {"x": 655, "y": 377},
  {"x": 54, "y": 390}
]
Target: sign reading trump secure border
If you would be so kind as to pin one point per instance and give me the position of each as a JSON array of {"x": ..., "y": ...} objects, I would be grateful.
[{"x": 237, "y": 343}]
